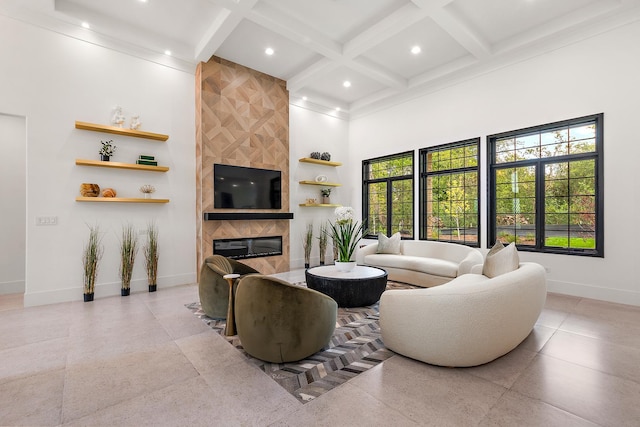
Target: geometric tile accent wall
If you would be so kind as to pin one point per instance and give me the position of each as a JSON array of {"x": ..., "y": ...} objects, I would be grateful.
[{"x": 242, "y": 119}]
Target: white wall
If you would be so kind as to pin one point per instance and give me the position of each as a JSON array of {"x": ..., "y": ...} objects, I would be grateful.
[
  {"x": 54, "y": 80},
  {"x": 596, "y": 75},
  {"x": 311, "y": 131},
  {"x": 13, "y": 184}
]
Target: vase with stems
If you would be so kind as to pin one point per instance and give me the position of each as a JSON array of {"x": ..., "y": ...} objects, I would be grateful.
[
  {"x": 90, "y": 258},
  {"x": 323, "y": 240},
  {"x": 151, "y": 256},
  {"x": 128, "y": 250},
  {"x": 307, "y": 244}
]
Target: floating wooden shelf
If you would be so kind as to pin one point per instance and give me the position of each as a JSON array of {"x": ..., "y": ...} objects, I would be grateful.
[
  {"x": 119, "y": 200},
  {"x": 318, "y": 205},
  {"x": 324, "y": 184},
  {"x": 319, "y": 162},
  {"x": 121, "y": 131},
  {"x": 99, "y": 163}
]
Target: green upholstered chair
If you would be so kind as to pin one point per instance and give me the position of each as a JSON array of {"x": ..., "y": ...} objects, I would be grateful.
[
  {"x": 279, "y": 322},
  {"x": 213, "y": 288}
]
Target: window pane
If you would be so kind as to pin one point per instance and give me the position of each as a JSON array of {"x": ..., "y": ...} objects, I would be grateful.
[{"x": 377, "y": 215}]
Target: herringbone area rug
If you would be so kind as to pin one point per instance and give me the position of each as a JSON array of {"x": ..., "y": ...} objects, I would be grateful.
[{"x": 355, "y": 347}]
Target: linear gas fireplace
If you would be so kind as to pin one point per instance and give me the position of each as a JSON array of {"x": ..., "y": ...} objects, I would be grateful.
[{"x": 244, "y": 248}]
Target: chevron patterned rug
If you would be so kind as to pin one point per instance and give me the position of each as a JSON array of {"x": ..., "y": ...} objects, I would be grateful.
[{"x": 355, "y": 347}]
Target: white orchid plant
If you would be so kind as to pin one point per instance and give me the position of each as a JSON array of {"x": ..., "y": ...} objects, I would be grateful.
[{"x": 345, "y": 232}]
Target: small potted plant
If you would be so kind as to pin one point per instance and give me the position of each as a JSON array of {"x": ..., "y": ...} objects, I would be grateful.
[
  {"x": 128, "y": 249},
  {"x": 307, "y": 244},
  {"x": 147, "y": 190},
  {"x": 90, "y": 258},
  {"x": 107, "y": 150},
  {"x": 323, "y": 241},
  {"x": 151, "y": 256},
  {"x": 325, "y": 192}
]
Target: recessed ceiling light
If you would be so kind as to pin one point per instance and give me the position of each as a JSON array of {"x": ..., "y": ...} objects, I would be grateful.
[
  {"x": 269, "y": 51},
  {"x": 143, "y": 1},
  {"x": 337, "y": 108},
  {"x": 86, "y": 25},
  {"x": 346, "y": 83},
  {"x": 167, "y": 52},
  {"x": 304, "y": 98},
  {"x": 416, "y": 50}
]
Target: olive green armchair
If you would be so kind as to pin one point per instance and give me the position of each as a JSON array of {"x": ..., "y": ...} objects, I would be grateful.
[
  {"x": 213, "y": 288},
  {"x": 279, "y": 322}
]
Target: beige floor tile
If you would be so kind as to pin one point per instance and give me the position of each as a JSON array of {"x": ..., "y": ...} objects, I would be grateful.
[
  {"x": 596, "y": 354},
  {"x": 347, "y": 406},
  {"x": 209, "y": 351},
  {"x": 34, "y": 324},
  {"x": 425, "y": 393},
  {"x": 107, "y": 343},
  {"x": 185, "y": 403},
  {"x": 179, "y": 326},
  {"x": 33, "y": 401},
  {"x": 248, "y": 396},
  {"x": 612, "y": 329},
  {"x": 11, "y": 301},
  {"x": 551, "y": 318},
  {"x": 559, "y": 302},
  {"x": 33, "y": 359},
  {"x": 538, "y": 337},
  {"x": 587, "y": 393},
  {"x": 92, "y": 386},
  {"x": 505, "y": 370},
  {"x": 513, "y": 409}
]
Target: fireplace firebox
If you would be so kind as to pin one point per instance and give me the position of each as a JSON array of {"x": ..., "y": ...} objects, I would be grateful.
[{"x": 243, "y": 248}]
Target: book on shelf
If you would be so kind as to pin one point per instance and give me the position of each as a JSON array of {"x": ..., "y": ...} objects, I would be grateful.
[
  {"x": 150, "y": 158},
  {"x": 146, "y": 162}
]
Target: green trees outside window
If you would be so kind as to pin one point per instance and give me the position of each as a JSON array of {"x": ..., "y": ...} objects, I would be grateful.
[
  {"x": 449, "y": 188},
  {"x": 387, "y": 185},
  {"x": 545, "y": 187}
]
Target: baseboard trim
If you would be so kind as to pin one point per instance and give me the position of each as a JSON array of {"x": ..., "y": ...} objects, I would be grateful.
[
  {"x": 103, "y": 290},
  {"x": 15, "y": 287},
  {"x": 619, "y": 296}
]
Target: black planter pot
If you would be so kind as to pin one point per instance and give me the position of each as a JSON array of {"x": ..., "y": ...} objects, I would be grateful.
[
  {"x": 104, "y": 158},
  {"x": 125, "y": 292},
  {"x": 88, "y": 297},
  {"x": 153, "y": 288}
]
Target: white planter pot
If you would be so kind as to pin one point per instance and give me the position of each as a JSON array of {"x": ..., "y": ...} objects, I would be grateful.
[{"x": 345, "y": 266}]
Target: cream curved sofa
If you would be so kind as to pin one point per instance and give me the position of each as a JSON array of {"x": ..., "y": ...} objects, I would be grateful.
[
  {"x": 468, "y": 321},
  {"x": 421, "y": 262}
]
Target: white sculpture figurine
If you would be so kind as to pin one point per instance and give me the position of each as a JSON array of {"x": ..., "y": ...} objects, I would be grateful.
[
  {"x": 118, "y": 117},
  {"x": 135, "y": 122}
]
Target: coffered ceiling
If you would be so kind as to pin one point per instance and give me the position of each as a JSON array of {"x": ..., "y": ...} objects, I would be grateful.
[{"x": 318, "y": 45}]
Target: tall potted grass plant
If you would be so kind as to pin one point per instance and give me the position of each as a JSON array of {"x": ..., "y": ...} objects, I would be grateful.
[{"x": 128, "y": 250}]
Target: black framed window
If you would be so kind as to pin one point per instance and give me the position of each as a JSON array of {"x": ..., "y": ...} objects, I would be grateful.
[
  {"x": 387, "y": 195},
  {"x": 545, "y": 187},
  {"x": 449, "y": 188}
]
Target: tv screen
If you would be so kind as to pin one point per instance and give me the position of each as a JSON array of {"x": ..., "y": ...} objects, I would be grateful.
[{"x": 238, "y": 187}]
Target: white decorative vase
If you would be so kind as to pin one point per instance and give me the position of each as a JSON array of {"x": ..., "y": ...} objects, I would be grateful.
[{"x": 345, "y": 267}]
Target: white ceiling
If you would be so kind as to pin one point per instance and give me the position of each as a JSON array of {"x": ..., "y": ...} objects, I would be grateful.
[{"x": 319, "y": 44}]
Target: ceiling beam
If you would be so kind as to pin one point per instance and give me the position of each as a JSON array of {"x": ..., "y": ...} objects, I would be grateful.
[{"x": 462, "y": 33}]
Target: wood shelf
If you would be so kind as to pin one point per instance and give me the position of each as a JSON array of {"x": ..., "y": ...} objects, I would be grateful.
[
  {"x": 325, "y": 184},
  {"x": 319, "y": 205},
  {"x": 319, "y": 162},
  {"x": 118, "y": 165},
  {"x": 119, "y": 200},
  {"x": 121, "y": 131}
]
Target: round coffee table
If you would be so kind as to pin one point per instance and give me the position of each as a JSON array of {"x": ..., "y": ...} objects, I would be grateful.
[{"x": 360, "y": 287}]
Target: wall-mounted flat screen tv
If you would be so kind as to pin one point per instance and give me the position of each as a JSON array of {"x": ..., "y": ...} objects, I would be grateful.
[{"x": 238, "y": 187}]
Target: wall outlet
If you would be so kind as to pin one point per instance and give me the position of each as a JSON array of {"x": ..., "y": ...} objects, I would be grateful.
[{"x": 46, "y": 220}]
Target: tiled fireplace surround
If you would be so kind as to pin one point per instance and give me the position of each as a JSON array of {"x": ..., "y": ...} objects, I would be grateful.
[{"x": 242, "y": 119}]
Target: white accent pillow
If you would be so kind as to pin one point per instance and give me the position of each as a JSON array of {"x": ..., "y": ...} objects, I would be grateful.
[
  {"x": 500, "y": 260},
  {"x": 388, "y": 245}
]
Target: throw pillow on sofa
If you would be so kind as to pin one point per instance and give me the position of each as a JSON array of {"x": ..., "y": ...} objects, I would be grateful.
[
  {"x": 500, "y": 260},
  {"x": 389, "y": 245}
]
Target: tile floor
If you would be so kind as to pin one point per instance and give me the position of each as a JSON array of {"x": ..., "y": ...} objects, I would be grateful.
[{"x": 146, "y": 360}]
